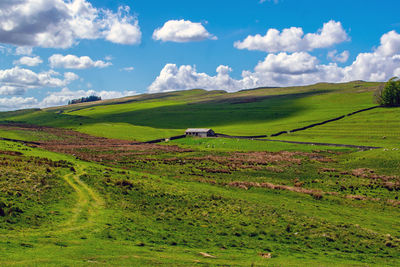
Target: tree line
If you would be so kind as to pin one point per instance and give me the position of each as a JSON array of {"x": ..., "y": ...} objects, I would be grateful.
[{"x": 84, "y": 99}]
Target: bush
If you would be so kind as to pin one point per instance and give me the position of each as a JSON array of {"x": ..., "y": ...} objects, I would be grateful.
[{"x": 389, "y": 94}]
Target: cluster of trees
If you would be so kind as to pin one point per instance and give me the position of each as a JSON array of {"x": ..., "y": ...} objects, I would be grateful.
[
  {"x": 389, "y": 94},
  {"x": 84, "y": 99}
]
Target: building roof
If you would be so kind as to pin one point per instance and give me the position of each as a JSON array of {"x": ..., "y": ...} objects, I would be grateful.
[{"x": 197, "y": 130}]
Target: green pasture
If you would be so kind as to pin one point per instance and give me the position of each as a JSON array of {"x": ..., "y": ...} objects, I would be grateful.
[
  {"x": 378, "y": 127},
  {"x": 249, "y": 112},
  {"x": 160, "y": 207},
  {"x": 234, "y": 144},
  {"x": 145, "y": 216}
]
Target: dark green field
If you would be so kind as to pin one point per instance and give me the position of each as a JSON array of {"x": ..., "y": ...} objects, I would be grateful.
[{"x": 72, "y": 196}]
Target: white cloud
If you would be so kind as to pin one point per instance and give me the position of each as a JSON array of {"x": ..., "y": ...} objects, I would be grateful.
[
  {"x": 182, "y": 31},
  {"x": 28, "y": 61},
  {"x": 121, "y": 30},
  {"x": 128, "y": 69},
  {"x": 342, "y": 57},
  {"x": 186, "y": 77},
  {"x": 12, "y": 90},
  {"x": 296, "y": 63},
  {"x": 56, "y": 98},
  {"x": 299, "y": 68},
  {"x": 5, "y": 50},
  {"x": 23, "y": 50},
  {"x": 16, "y": 81},
  {"x": 61, "y": 23},
  {"x": 274, "y": 1},
  {"x": 390, "y": 44},
  {"x": 62, "y": 97},
  {"x": 17, "y": 103},
  {"x": 74, "y": 62},
  {"x": 293, "y": 39}
]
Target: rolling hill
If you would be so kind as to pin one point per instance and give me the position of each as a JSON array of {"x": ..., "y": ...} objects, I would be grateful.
[
  {"x": 77, "y": 189},
  {"x": 248, "y": 112}
]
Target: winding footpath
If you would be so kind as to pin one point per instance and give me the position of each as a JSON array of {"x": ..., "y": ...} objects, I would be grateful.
[
  {"x": 87, "y": 212},
  {"x": 88, "y": 206}
]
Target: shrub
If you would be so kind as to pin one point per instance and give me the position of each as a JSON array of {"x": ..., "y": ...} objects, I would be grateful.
[{"x": 389, "y": 94}]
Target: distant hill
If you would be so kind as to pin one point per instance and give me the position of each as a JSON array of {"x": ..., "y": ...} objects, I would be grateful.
[{"x": 247, "y": 112}]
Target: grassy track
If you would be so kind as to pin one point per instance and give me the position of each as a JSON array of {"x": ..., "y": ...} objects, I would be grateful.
[
  {"x": 88, "y": 207},
  {"x": 87, "y": 210}
]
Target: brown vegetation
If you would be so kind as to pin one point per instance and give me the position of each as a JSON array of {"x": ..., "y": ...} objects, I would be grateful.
[
  {"x": 370, "y": 174},
  {"x": 246, "y": 185}
]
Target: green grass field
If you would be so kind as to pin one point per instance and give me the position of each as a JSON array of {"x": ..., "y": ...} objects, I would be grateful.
[
  {"x": 251, "y": 112},
  {"x": 380, "y": 127},
  {"x": 108, "y": 215},
  {"x": 77, "y": 200}
]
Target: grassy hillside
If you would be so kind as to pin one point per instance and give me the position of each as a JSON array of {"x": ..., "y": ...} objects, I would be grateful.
[
  {"x": 70, "y": 197},
  {"x": 249, "y": 112},
  {"x": 140, "y": 205},
  {"x": 380, "y": 127}
]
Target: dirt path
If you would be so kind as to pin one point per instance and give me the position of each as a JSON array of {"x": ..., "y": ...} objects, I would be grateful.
[
  {"x": 88, "y": 205},
  {"x": 86, "y": 213}
]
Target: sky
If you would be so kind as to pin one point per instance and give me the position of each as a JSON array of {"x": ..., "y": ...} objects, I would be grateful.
[{"x": 52, "y": 51}]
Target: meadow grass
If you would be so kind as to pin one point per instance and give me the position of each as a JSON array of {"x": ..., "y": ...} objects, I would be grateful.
[
  {"x": 325, "y": 206},
  {"x": 249, "y": 112},
  {"x": 130, "y": 214},
  {"x": 233, "y": 144},
  {"x": 379, "y": 127}
]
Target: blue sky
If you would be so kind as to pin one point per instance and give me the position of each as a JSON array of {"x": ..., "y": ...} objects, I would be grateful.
[{"x": 52, "y": 51}]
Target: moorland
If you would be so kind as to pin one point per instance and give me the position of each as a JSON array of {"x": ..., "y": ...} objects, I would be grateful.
[{"x": 80, "y": 186}]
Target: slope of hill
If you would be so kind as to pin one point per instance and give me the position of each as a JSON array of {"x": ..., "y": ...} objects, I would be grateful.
[
  {"x": 248, "y": 112},
  {"x": 380, "y": 127},
  {"x": 70, "y": 198}
]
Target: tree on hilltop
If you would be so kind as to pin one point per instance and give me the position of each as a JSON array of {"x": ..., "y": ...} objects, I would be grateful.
[
  {"x": 389, "y": 94},
  {"x": 84, "y": 99}
]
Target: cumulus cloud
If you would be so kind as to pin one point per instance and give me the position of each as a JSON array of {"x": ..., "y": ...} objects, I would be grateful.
[
  {"x": 12, "y": 90},
  {"x": 341, "y": 57},
  {"x": 61, "y": 23},
  {"x": 62, "y": 97},
  {"x": 293, "y": 39},
  {"x": 296, "y": 63},
  {"x": 56, "y": 98},
  {"x": 299, "y": 68},
  {"x": 182, "y": 31},
  {"x": 74, "y": 62},
  {"x": 390, "y": 44},
  {"x": 28, "y": 61},
  {"x": 186, "y": 77},
  {"x": 121, "y": 30},
  {"x": 11, "y": 103},
  {"x": 16, "y": 81}
]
